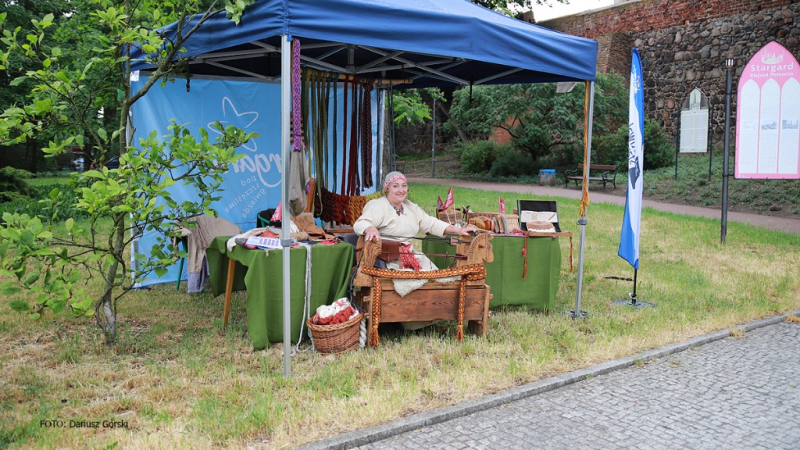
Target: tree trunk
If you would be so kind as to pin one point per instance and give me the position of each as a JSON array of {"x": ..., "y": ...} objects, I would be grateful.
[
  {"x": 108, "y": 321},
  {"x": 111, "y": 321},
  {"x": 453, "y": 122}
]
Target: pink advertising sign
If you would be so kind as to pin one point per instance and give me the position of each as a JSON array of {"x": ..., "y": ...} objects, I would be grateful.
[{"x": 768, "y": 116}]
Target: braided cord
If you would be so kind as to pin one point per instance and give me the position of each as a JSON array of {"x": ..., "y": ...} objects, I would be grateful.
[
  {"x": 462, "y": 296},
  {"x": 585, "y": 189},
  {"x": 297, "y": 125}
]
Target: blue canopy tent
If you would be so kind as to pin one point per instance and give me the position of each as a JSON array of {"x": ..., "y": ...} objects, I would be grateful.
[
  {"x": 424, "y": 42},
  {"x": 433, "y": 42}
]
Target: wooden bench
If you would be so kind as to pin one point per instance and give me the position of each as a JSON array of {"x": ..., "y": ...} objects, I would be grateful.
[{"x": 608, "y": 174}]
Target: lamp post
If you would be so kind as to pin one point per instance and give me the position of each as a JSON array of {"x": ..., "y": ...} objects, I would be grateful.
[{"x": 729, "y": 69}]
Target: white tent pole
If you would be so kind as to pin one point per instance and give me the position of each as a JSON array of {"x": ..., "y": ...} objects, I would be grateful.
[
  {"x": 582, "y": 221},
  {"x": 286, "y": 102}
]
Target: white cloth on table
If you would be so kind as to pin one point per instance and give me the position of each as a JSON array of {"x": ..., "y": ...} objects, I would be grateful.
[{"x": 230, "y": 244}]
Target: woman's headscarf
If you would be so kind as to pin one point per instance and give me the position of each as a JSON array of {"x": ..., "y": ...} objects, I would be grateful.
[{"x": 390, "y": 177}]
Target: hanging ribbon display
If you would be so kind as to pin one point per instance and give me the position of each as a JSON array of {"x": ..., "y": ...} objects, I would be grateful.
[
  {"x": 311, "y": 91},
  {"x": 343, "y": 190},
  {"x": 352, "y": 172},
  {"x": 333, "y": 81},
  {"x": 366, "y": 134},
  {"x": 306, "y": 103},
  {"x": 317, "y": 94},
  {"x": 342, "y": 209}
]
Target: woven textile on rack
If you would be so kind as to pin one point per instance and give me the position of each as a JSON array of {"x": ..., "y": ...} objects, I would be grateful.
[{"x": 342, "y": 209}]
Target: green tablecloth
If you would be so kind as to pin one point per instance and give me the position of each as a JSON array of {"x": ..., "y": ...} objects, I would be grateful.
[
  {"x": 261, "y": 275},
  {"x": 504, "y": 275}
]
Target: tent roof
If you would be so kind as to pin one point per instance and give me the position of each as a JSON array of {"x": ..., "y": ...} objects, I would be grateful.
[{"x": 432, "y": 42}]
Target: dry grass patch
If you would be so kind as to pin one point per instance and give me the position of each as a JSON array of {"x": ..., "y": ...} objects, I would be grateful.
[{"x": 737, "y": 333}]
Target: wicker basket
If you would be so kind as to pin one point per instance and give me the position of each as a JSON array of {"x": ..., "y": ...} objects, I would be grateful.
[{"x": 336, "y": 339}]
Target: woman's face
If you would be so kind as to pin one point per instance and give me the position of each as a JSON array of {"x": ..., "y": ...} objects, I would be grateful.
[{"x": 397, "y": 191}]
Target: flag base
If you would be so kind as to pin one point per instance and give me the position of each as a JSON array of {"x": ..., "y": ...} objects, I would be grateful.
[{"x": 633, "y": 302}]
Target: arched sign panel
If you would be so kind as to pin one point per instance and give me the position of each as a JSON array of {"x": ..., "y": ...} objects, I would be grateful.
[
  {"x": 694, "y": 123},
  {"x": 768, "y": 116}
]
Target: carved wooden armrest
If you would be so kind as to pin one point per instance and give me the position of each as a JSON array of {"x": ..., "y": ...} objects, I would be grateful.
[
  {"x": 478, "y": 251},
  {"x": 366, "y": 253}
]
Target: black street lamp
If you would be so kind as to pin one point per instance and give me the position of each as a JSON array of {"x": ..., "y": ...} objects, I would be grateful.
[{"x": 729, "y": 68}]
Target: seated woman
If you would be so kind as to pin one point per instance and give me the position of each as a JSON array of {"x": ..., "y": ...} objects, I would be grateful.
[{"x": 394, "y": 218}]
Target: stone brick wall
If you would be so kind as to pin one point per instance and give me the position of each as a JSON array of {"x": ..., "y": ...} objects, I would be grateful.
[
  {"x": 614, "y": 54},
  {"x": 683, "y": 45},
  {"x": 649, "y": 15}
]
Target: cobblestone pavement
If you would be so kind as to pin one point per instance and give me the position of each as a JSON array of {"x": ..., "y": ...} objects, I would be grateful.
[{"x": 731, "y": 392}]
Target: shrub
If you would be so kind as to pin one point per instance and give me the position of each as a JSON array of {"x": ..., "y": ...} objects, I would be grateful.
[
  {"x": 478, "y": 157},
  {"x": 613, "y": 148},
  {"x": 659, "y": 151},
  {"x": 60, "y": 209},
  {"x": 510, "y": 162},
  {"x": 13, "y": 180}
]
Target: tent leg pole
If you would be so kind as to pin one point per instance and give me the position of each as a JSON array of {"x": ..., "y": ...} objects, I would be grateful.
[
  {"x": 577, "y": 311},
  {"x": 286, "y": 101},
  {"x": 582, "y": 221}
]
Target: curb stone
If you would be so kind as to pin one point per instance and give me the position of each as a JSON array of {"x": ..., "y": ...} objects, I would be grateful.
[{"x": 410, "y": 423}]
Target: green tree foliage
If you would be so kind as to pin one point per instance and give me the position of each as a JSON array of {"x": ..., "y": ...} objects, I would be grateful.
[
  {"x": 543, "y": 124},
  {"x": 511, "y": 7},
  {"x": 408, "y": 106},
  {"x": 74, "y": 72},
  {"x": 20, "y": 13}
]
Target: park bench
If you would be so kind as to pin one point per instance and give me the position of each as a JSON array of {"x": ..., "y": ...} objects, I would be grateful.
[{"x": 608, "y": 174}]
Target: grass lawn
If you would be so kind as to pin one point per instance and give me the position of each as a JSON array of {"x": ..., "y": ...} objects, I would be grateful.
[
  {"x": 176, "y": 379},
  {"x": 691, "y": 186}
]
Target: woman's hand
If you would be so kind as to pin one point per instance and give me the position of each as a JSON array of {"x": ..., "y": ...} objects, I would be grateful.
[
  {"x": 467, "y": 230},
  {"x": 461, "y": 231},
  {"x": 371, "y": 234}
]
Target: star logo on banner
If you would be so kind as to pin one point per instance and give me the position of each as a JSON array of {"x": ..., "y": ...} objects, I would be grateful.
[{"x": 237, "y": 120}]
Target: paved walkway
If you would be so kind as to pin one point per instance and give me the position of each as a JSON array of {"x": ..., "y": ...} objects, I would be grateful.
[
  {"x": 714, "y": 391},
  {"x": 595, "y": 196}
]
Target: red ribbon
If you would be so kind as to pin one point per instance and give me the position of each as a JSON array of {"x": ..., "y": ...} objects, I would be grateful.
[{"x": 408, "y": 260}]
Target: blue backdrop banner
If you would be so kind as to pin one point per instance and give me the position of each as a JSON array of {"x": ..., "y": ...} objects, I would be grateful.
[{"x": 253, "y": 183}]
